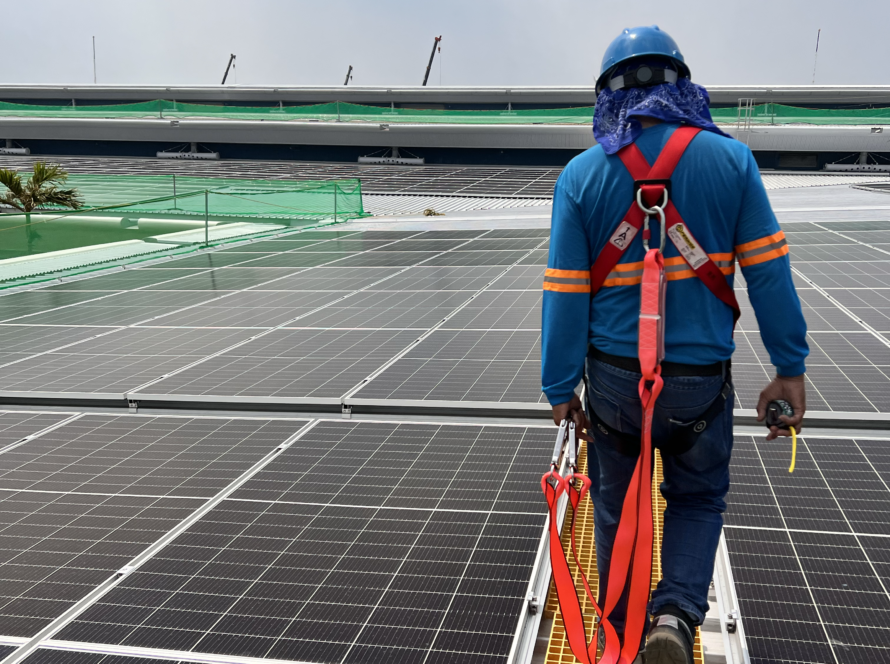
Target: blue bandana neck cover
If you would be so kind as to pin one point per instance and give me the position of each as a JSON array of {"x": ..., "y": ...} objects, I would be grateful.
[{"x": 615, "y": 122}]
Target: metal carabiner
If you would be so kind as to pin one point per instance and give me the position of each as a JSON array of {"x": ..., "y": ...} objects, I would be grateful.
[{"x": 655, "y": 210}]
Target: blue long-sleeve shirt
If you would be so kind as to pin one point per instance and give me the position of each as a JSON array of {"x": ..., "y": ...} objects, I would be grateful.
[{"x": 717, "y": 190}]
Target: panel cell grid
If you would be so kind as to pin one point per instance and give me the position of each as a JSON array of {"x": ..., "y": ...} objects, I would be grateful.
[
  {"x": 117, "y": 362},
  {"x": 146, "y": 456},
  {"x": 504, "y": 310},
  {"x": 387, "y": 309},
  {"x": 55, "y": 548},
  {"x": 329, "y": 582},
  {"x": 458, "y": 366},
  {"x": 290, "y": 363},
  {"x": 14, "y": 426},
  {"x": 441, "y": 278},
  {"x": 809, "y": 550}
]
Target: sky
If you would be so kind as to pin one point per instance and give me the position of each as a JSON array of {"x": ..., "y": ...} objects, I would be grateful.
[{"x": 388, "y": 42}]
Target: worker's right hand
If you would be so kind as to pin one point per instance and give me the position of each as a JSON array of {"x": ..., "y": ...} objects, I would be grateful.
[
  {"x": 575, "y": 411},
  {"x": 791, "y": 389}
]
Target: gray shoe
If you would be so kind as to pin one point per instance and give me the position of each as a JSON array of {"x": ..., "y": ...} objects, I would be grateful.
[
  {"x": 601, "y": 645},
  {"x": 670, "y": 642}
]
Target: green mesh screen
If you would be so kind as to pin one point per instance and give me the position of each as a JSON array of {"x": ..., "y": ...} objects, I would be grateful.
[
  {"x": 122, "y": 208},
  {"x": 780, "y": 114},
  {"x": 345, "y": 112},
  {"x": 327, "y": 112},
  {"x": 226, "y": 197}
]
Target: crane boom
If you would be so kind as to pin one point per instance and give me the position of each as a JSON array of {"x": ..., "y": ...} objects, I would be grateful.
[
  {"x": 348, "y": 76},
  {"x": 432, "y": 55},
  {"x": 228, "y": 67}
]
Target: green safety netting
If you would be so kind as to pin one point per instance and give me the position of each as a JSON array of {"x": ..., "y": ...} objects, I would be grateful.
[
  {"x": 781, "y": 114},
  {"x": 122, "y": 207},
  {"x": 226, "y": 197},
  {"x": 345, "y": 112},
  {"x": 333, "y": 111}
]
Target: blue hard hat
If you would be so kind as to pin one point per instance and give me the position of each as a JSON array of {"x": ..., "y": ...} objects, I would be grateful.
[{"x": 647, "y": 40}]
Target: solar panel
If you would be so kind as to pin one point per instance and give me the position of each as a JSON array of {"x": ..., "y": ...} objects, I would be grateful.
[
  {"x": 461, "y": 257},
  {"x": 213, "y": 259},
  {"x": 332, "y": 580},
  {"x": 488, "y": 243},
  {"x": 123, "y": 308},
  {"x": 422, "y": 277},
  {"x": 809, "y": 550},
  {"x": 14, "y": 426},
  {"x": 298, "y": 259},
  {"x": 145, "y": 456},
  {"x": 504, "y": 310},
  {"x": 110, "y": 365},
  {"x": 387, "y": 259},
  {"x": 14, "y": 305},
  {"x": 387, "y": 309},
  {"x": 38, "y": 339},
  {"x": 124, "y": 280},
  {"x": 58, "y": 547},
  {"x": 222, "y": 279},
  {"x": 53, "y": 656},
  {"x": 255, "y": 309},
  {"x": 463, "y": 366},
  {"x": 331, "y": 279},
  {"x": 288, "y": 364},
  {"x": 524, "y": 277}
]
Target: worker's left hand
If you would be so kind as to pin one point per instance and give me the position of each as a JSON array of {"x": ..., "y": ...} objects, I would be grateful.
[
  {"x": 791, "y": 389},
  {"x": 574, "y": 411}
]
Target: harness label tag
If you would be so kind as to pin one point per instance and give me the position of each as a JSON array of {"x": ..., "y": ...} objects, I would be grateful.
[
  {"x": 623, "y": 235},
  {"x": 690, "y": 249}
]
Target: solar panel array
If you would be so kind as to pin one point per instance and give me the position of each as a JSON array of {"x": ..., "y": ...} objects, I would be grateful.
[
  {"x": 348, "y": 541},
  {"x": 304, "y": 320},
  {"x": 384, "y": 541}
]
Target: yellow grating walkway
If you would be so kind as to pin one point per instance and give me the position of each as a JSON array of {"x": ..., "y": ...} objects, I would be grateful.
[{"x": 558, "y": 651}]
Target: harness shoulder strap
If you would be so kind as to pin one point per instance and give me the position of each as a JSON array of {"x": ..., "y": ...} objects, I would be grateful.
[{"x": 624, "y": 233}]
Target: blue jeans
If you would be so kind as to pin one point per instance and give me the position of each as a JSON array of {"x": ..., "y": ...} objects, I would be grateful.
[{"x": 695, "y": 483}]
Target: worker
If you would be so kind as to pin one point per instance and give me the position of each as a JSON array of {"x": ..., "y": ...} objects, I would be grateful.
[{"x": 645, "y": 94}]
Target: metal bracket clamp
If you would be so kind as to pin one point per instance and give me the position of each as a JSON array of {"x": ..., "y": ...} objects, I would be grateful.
[
  {"x": 731, "y": 621},
  {"x": 345, "y": 411},
  {"x": 133, "y": 405},
  {"x": 534, "y": 603}
]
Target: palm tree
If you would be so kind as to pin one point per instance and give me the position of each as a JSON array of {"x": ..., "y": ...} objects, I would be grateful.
[{"x": 41, "y": 189}]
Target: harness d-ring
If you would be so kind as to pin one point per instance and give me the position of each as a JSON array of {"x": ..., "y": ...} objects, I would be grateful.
[{"x": 655, "y": 210}]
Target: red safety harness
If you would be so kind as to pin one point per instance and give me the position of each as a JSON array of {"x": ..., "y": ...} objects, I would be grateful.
[{"x": 631, "y": 564}]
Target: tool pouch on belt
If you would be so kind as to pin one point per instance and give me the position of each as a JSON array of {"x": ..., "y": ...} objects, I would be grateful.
[{"x": 682, "y": 436}]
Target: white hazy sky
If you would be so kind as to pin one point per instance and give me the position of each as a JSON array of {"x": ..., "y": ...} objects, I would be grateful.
[{"x": 485, "y": 42}]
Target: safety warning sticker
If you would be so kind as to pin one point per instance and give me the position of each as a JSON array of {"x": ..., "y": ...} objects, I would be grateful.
[
  {"x": 689, "y": 248},
  {"x": 623, "y": 235}
]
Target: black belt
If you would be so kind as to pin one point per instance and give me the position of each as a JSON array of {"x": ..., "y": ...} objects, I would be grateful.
[{"x": 667, "y": 368}]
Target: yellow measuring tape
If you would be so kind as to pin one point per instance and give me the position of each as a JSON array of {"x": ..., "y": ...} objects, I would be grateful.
[{"x": 793, "y": 449}]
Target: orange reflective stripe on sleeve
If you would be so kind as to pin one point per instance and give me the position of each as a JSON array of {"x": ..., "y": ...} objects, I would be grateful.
[
  {"x": 567, "y": 281},
  {"x": 762, "y": 250}
]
